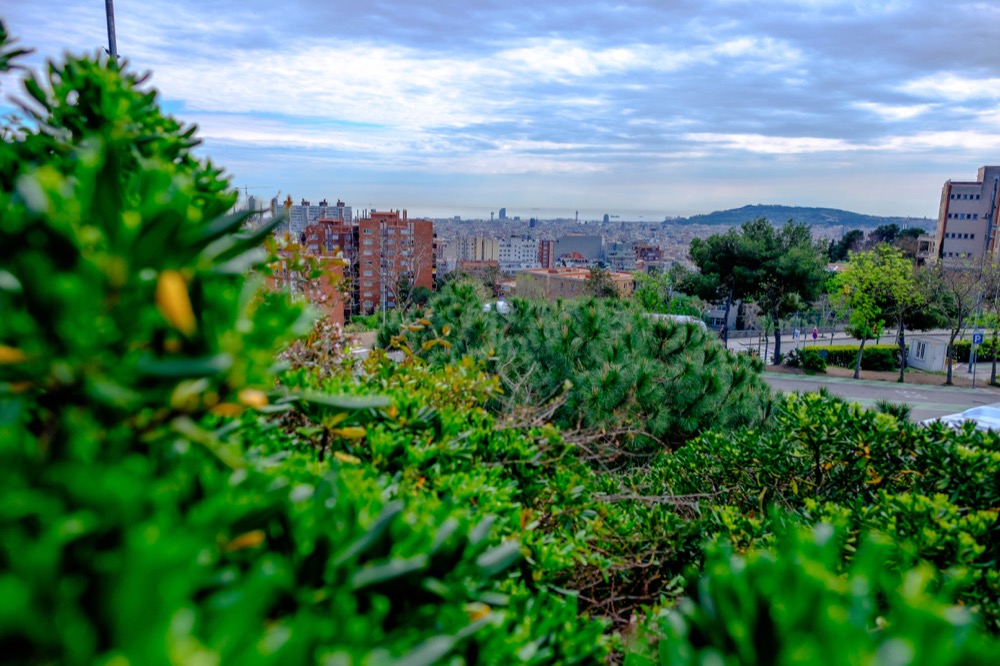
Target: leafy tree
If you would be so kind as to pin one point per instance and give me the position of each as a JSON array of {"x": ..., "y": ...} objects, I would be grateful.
[
  {"x": 878, "y": 287},
  {"x": 600, "y": 284},
  {"x": 653, "y": 291},
  {"x": 789, "y": 274},
  {"x": 991, "y": 307},
  {"x": 960, "y": 287},
  {"x": 728, "y": 265},
  {"x": 849, "y": 242}
]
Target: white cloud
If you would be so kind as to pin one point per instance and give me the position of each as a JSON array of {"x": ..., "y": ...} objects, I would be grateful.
[
  {"x": 953, "y": 87},
  {"x": 774, "y": 145},
  {"x": 894, "y": 111}
]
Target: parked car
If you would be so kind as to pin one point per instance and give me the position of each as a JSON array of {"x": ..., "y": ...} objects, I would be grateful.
[
  {"x": 680, "y": 319},
  {"x": 501, "y": 306},
  {"x": 986, "y": 417}
]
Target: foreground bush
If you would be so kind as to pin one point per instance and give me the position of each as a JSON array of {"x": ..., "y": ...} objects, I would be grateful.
[
  {"x": 149, "y": 515},
  {"x": 796, "y": 606}
]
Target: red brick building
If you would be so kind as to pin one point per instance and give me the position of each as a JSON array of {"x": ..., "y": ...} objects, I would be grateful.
[
  {"x": 392, "y": 249},
  {"x": 546, "y": 253},
  {"x": 380, "y": 251}
]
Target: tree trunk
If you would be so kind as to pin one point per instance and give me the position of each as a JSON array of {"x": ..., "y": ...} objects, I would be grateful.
[
  {"x": 857, "y": 363},
  {"x": 777, "y": 340},
  {"x": 950, "y": 357},
  {"x": 902, "y": 351},
  {"x": 725, "y": 318}
]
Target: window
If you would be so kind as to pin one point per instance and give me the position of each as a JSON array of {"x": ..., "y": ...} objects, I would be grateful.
[
  {"x": 368, "y": 232},
  {"x": 368, "y": 274},
  {"x": 975, "y": 216},
  {"x": 972, "y": 236},
  {"x": 921, "y": 350},
  {"x": 368, "y": 241}
]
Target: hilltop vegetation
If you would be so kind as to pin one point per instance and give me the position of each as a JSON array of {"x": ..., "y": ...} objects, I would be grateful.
[
  {"x": 813, "y": 217},
  {"x": 192, "y": 475}
]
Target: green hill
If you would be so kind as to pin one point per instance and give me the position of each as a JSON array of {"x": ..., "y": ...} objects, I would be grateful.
[{"x": 824, "y": 217}]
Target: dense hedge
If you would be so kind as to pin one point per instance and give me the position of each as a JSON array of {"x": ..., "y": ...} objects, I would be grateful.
[
  {"x": 963, "y": 349},
  {"x": 875, "y": 357}
]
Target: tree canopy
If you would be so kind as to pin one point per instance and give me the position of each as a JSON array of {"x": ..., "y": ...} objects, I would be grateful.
[{"x": 878, "y": 287}]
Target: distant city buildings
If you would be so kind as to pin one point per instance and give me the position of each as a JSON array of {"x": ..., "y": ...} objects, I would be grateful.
[
  {"x": 304, "y": 214},
  {"x": 967, "y": 217}
]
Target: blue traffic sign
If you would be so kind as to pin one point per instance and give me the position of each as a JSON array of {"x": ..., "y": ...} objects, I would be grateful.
[{"x": 977, "y": 338}]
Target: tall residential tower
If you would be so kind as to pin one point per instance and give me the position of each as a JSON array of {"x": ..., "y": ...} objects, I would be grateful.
[{"x": 967, "y": 218}]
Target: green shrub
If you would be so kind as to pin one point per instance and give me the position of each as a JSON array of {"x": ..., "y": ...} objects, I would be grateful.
[
  {"x": 607, "y": 365},
  {"x": 808, "y": 358},
  {"x": 813, "y": 359},
  {"x": 796, "y": 606}
]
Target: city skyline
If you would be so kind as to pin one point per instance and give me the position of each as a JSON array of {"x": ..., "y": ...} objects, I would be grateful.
[{"x": 647, "y": 110}]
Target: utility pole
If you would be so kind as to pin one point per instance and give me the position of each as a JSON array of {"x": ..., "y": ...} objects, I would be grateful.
[{"x": 109, "y": 8}]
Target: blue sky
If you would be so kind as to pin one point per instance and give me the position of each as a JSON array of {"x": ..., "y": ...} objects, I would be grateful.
[{"x": 672, "y": 107}]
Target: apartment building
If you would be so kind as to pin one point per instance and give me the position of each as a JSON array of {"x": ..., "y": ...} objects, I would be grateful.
[
  {"x": 475, "y": 248},
  {"x": 380, "y": 251},
  {"x": 518, "y": 253},
  {"x": 546, "y": 253},
  {"x": 967, "y": 217},
  {"x": 391, "y": 249},
  {"x": 305, "y": 214}
]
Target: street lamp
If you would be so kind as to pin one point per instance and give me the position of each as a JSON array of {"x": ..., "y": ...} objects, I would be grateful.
[{"x": 109, "y": 9}]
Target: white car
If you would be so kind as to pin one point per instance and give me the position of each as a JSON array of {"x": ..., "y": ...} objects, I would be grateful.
[
  {"x": 500, "y": 306},
  {"x": 986, "y": 417}
]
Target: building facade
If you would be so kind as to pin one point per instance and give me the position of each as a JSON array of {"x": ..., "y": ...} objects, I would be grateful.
[
  {"x": 546, "y": 253},
  {"x": 967, "y": 217},
  {"x": 591, "y": 247},
  {"x": 475, "y": 248},
  {"x": 555, "y": 283},
  {"x": 393, "y": 251},
  {"x": 518, "y": 253}
]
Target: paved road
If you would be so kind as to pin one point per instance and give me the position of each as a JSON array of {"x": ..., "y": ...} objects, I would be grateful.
[{"x": 926, "y": 401}]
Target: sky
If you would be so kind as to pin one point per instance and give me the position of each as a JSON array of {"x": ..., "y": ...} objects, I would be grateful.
[{"x": 643, "y": 109}]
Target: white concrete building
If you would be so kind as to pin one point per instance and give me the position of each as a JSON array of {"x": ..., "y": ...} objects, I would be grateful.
[{"x": 518, "y": 253}]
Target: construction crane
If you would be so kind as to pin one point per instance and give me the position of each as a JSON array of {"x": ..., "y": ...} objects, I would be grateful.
[{"x": 246, "y": 190}]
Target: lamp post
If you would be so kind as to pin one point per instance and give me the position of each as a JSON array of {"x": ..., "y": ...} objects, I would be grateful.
[{"x": 109, "y": 8}]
